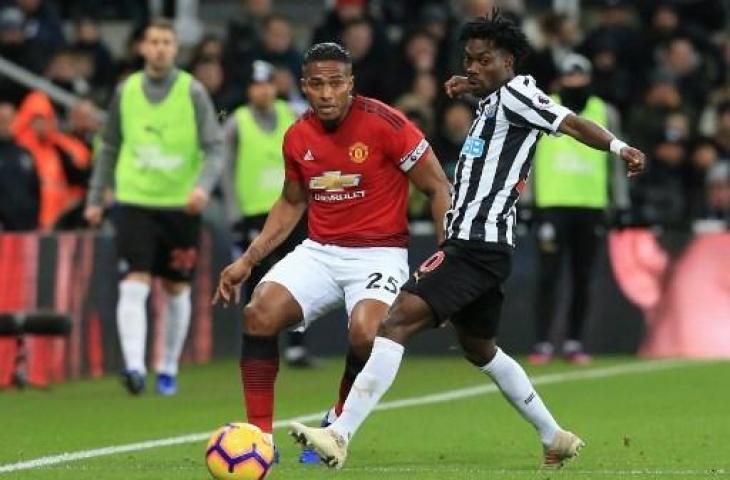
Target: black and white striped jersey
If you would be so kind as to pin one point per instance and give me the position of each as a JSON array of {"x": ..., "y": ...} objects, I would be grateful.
[{"x": 496, "y": 159}]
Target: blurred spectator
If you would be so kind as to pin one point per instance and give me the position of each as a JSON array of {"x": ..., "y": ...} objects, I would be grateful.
[
  {"x": 42, "y": 23},
  {"x": 368, "y": 63},
  {"x": 210, "y": 46},
  {"x": 562, "y": 34},
  {"x": 276, "y": 46},
  {"x": 87, "y": 42},
  {"x": 70, "y": 72},
  {"x": 19, "y": 185},
  {"x": 705, "y": 15},
  {"x": 15, "y": 48},
  {"x": 436, "y": 20},
  {"x": 450, "y": 136},
  {"x": 84, "y": 122},
  {"x": 419, "y": 54},
  {"x": 61, "y": 161},
  {"x": 208, "y": 71},
  {"x": 345, "y": 12},
  {"x": 648, "y": 119},
  {"x": 243, "y": 37},
  {"x": 255, "y": 172},
  {"x": 574, "y": 188},
  {"x": 658, "y": 196},
  {"x": 616, "y": 49},
  {"x": 680, "y": 60}
]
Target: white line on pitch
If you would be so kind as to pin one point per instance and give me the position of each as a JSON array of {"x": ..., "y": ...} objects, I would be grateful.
[
  {"x": 511, "y": 472},
  {"x": 643, "y": 367}
]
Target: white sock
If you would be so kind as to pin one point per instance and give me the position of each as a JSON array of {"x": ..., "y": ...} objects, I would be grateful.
[
  {"x": 132, "y": 323},
  {"x": 370, "y": 385},
  {"x": 176, "y": 331},
  {"x": 517, "y": 389}
]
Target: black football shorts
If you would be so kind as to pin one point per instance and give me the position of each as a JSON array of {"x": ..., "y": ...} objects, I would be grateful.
[
  {"x": 162, "y": 242},
  {"x": 462, "y": 282}
]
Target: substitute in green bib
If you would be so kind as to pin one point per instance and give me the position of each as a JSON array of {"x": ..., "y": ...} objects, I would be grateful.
[
  {"x": 161, "y": 152},
  {"x": 255, "y": 176},
  {"x": 574, "y": 186}
]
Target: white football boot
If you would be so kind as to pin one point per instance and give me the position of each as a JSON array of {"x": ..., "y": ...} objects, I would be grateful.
[
  {"x": 565, "y": 447},
  {"x": 328, "y": 444}
]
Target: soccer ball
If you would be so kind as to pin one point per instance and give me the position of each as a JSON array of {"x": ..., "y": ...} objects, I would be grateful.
[{"x": 239, "y": 451}]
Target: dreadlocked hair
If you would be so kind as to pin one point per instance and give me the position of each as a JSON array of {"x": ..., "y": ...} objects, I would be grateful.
[{"x": 499, "y": 29}]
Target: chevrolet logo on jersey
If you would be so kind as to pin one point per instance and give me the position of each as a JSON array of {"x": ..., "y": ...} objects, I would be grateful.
[{"x": 334, "y": 181}]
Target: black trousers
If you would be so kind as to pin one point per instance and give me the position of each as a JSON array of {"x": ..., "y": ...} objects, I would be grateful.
[
  {"x": 245, "y": 231},
  {"x": 572, "y": 235}
]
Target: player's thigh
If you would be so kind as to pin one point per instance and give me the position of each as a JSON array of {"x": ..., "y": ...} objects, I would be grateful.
[
  {"x": 305, "y": 274},
  {"x": 481, "y": 317},
  {"x": 178, "y": 236},
  {"x": 135, "y": 239},
  {"x": 371, "y": 274},
  {"x": 271, "y": 310}
]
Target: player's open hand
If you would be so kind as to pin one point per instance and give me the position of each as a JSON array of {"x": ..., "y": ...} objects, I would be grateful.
[
  {"x": 457, "y": 85},
  {"x": 93, "y": 215},
  {"x": 229, "y": 284},
  {"x": 635, "y": 160},
  {"x": 197, "y": 200}
]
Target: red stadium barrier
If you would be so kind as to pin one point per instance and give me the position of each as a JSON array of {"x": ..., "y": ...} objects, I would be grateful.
[
  {"x": 64, "y": 272},
  {"x": 686, "y": 305}
]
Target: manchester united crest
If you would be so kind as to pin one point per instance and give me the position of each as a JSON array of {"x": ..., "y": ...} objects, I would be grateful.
[{"x": 358, "y": 152}]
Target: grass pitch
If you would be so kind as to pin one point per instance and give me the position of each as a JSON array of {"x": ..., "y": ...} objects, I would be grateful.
[{"x": 671, "y": 422}]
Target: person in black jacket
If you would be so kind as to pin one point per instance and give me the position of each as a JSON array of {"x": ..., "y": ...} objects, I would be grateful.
[{"x": 19, "y": 185}]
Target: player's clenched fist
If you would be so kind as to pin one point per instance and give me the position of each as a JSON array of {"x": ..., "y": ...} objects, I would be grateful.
[
  {"x": 458, "y": 85},
  {"x": 635, "y": 160},
  {"x": 229, "y": 284}
]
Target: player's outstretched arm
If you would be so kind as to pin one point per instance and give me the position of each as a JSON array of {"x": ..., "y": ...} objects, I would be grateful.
[
  {"x": 595, "y": 136},
  {"x": 428, "y": 176},
  {"x": 283, "y": 217}
]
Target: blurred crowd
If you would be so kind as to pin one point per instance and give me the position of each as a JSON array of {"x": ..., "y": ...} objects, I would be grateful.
[{"x": 663, "y": 64}]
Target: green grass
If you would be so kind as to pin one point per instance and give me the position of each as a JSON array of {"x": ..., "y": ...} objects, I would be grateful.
[{"x": 672, "y": 423}]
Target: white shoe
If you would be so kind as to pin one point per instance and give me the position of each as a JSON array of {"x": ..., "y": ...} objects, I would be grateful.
[
  {"x": 565, "y": 447},
  {"x": 328, "y": 444}
]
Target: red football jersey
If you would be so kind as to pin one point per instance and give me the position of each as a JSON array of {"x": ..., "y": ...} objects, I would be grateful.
[{"x": 356, "y": 174}]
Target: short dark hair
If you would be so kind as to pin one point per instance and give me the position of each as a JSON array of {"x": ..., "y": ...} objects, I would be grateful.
[
  {"x": 502, "y": 31},
  {"x": 162, "y": 24},
  {"x": 327, "y": 51}
]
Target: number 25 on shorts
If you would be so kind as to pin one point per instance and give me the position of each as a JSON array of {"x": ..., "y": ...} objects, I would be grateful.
[{"x": 375, "y": 281}]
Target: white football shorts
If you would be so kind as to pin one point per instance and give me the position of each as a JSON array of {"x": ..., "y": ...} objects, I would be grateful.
[{"x": 322, "y": 278}]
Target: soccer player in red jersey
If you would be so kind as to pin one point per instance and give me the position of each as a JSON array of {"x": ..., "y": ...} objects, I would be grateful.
[{"x": 348, "y": 163}]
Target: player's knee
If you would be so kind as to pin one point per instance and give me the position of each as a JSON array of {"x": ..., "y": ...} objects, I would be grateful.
[
  {"x": 479, "y": 352},
  {"x": 403, "y": 320},
  {"x": 259, "y": 321},
  {"x": 361, "y": 340}
]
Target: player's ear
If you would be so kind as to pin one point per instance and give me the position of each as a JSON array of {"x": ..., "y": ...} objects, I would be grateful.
[
  {"x": 509, "y": 61},
  {"x": 302, "y": 84}
]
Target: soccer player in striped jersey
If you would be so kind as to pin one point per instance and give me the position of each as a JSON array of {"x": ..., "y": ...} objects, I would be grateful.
[{"x": 462, "y": 282}]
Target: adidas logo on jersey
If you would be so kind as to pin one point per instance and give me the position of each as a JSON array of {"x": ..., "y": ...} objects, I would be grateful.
[{"x": 308, "y": 157}]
